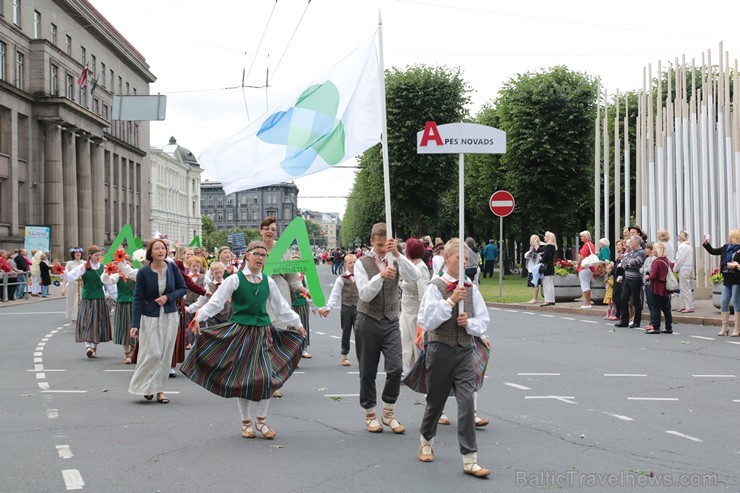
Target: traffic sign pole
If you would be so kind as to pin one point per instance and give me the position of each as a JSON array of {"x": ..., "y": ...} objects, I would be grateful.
[
  {"x": 501, "y": 256},
  {"x": 501, "y": 204}
]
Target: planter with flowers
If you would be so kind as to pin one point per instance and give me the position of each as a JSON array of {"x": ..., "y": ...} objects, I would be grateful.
[
  {"x": 716, "y": 279},
  {"x": 567, "y": 285},
  {"x": 598, "y": 283}
]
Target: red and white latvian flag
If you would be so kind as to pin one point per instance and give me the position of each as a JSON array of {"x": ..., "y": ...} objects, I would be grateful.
[{"x": 82, "y": 80}]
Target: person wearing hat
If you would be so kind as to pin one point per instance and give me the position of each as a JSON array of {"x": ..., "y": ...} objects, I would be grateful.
[
  {"x": 71, "y": 290},
  {"x": 93, "y": 318}
]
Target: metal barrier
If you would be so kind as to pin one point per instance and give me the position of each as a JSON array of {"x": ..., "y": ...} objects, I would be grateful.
[{"x": 9, "y": 283}]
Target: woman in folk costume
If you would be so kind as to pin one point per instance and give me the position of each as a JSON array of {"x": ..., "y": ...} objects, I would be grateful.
[
  {"x": 302, "y": 305},
  {"x": 93, "y": 319},
  {"x": 71, "y": 290},
  {"x": 286, "y": 283},
  {"x": 410, "y": 301},
  {"x": 450, "y": 357},
  {"x": 247, "y": 358},
  {"x": 159, "y": 284},
  {"x": 124, "y": 278}
]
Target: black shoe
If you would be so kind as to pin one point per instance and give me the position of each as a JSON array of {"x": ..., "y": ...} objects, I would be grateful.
[
  {"x": 652, "y": 331},
  {"x": 620, "y": 324},
  {"x": 634, "y": 326},
  {"x": 667, "y": 331}
]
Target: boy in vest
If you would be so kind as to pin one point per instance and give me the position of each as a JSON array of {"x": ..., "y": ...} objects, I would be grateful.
[
  {"x": 217, "y": 270},
  {"x": 377, "y": 330},
  {"x": 449, "y": 358},
  {"x": 346, "y": 288}
]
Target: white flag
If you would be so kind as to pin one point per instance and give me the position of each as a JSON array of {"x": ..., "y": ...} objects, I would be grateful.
[{"x": 335, "y": 118}]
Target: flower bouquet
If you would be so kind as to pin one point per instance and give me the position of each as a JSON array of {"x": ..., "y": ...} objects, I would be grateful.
[
  {"x": 716, "y": 277},
  {"x": 600, "y": 269}
]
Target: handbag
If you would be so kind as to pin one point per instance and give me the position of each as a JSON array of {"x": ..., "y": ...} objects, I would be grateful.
[
  {"x": 590, "y": 261},
  {"x": 671, "y": 283}
]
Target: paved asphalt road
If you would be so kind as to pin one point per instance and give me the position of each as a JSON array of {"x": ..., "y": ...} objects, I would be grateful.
[{"x": 574, "y": 402}]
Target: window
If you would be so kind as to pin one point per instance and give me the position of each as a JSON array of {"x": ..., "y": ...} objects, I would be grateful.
[
  {"x": 244, "y": 200},
  {"x": 96, "y": 106},
  {"x": 134, "y": 91},
  {"x": 120, "y": 85},
  {"x": 53, "y": 34},
  {"x": 112, "y": 79},
  {"x": 101, "y": 79},
  {"x": 3, "y": 51},
  {"x": 68, "y": 44},
  {"x": 83, "y": 96},
  {"x": 36, "y": 24},
  {"x": 210, "y": 200},
  {"x": 230, "y": 216},
  {"x": 286, "y": 214},
  {"x": 255, "y": 217},
  {"x": 83, "y": 55},
  {"x": 254, "y": 200},
  {"x": 105, "y": 111},
  {"x": 17, "y": 12},
  {"x": 220, "y": 201},
  {"x": 243, "y": 215},
  {"x": 220, "y": 216},
  {"x": 54, "y": 75},
  {"x": 93, "y": 62},
  {"x": 128, "y": 89},
  {"x": 70, "y": 88},
  {"x": 19, "y": 61}
]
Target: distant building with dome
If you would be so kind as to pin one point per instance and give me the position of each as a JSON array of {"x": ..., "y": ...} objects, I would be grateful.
[{"x": 175, "y": 192}]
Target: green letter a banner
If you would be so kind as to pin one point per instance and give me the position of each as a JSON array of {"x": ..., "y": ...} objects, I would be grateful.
[
  {"x": 132, "y": 242},
  {"x": 275, "y": 264}
]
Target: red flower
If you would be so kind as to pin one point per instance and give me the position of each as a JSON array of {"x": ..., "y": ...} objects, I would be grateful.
[
  {"x": 58, "y": 270},
  {"x": 111, "y": 268},
  {"x": 120, "y": 255}
]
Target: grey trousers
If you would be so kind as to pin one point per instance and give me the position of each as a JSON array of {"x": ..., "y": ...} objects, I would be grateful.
[
  {"x": 449, "y": 367},
  {"x": 373, "y": 337}
]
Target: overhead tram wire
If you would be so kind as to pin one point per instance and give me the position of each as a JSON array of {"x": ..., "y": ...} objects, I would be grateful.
[
  {"x": 274, "y": 71},
  {"x": 245, "y": 76}
]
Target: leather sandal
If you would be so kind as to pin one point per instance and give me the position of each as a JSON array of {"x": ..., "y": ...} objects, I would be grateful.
[
  {"x": 149, "y": 397},
  {"x": 262, "y": 427},
  {"x": 90, "y": 352},
  {"x": 391, "y": 422},
  {"x": 372, "y": 425},
  {"x": 426, "y": 454},
  {"x": 477, "y": 471},
  {"x": 443, "y": 420},
  {"x": 247, "y": 429},
  {"x": 480, "y": 422},
  {"x": 162, "y": 399}
]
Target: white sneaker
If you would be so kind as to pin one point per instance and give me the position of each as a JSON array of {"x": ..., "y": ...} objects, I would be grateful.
[{"x": 585, "y": 307}]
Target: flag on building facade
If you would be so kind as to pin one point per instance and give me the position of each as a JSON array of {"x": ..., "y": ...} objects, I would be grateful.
[
  {"x": 334, "y": 118},
  {"x": 82, "y": 80},
  {"x": 93, "y": 87}
]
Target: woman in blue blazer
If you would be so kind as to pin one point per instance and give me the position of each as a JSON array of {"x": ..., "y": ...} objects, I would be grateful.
[{"x": 158, "y": 285}]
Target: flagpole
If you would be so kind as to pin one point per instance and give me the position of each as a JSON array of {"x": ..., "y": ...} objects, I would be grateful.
[
  {"x": 461, "y": 212},
  {"x": 384, "y": 136}
]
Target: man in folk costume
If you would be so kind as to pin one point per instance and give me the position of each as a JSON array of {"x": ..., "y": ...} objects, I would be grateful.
[
  {"x": 345, "y": 288},
  {"x": 93, "y": 320},
  {"x": 377, "y": 330},
  {"x": 449, "y": 357},
  {"x": 248, "y": 358}
]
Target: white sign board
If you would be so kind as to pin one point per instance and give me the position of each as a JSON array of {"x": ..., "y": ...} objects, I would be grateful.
[
  {"x": 139, "y": 107},
  {"x": 460, "y": 138}
]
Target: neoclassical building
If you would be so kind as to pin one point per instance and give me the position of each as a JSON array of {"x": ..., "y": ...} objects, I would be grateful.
[
  {"x": 248, "y": 208},
  {"x": 63, "y": 161},
  {"x": 175, "y": 189}
]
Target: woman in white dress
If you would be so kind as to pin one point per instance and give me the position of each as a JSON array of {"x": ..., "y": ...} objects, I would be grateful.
[
  {"x": 70, "y": 289},
  {"x": 159, "y": 285},
  {"x": 410, "y": 300}
]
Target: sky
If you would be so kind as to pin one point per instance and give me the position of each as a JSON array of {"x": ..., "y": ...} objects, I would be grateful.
[{"x": 199, "y": 49}]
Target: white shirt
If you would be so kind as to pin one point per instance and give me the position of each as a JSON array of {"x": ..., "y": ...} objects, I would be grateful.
[
  {"x": 336, "y": 292},
  {"x": 684, "y": 257},
  {"x": 369, "y": 288},
  {"x": 280, "y": 308},
  {"x": 434, "y": 310},
  {"x": 438, "y": 261},
  {"x": 73, "y": 275}
]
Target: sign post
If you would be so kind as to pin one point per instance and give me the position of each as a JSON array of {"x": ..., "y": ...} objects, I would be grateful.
[
  {"x": 501, "y": 204},
  {"x": 460, "y": 138}
]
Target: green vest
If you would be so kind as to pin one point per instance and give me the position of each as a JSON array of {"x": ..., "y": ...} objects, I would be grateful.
[
  {"x": 250, "y": 302},
  {"x": 125, "y": 291},
  {"x": 92, "y": 286},
  {"x": 298, "y": 299}
]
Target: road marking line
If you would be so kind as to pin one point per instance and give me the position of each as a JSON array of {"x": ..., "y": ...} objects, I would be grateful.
[
  {"x": 32, "y": 313},
  {"x": 588, "y": 321},
  {"x": 341, "y": 395},
  {"x": 618, "y": 416},
  {"x": 713, "y": 376},
  {"x": 702, "y": 337},
  {"x": 687, "y": 437},
  {"x": 38, "y": 353},
  {"x": 41, "y": 376},
  {"x": 495, "y": 309},
  {"x": 568, "y": 318},
  {"x": 299, "y": 373},
  {"x": 548, "y": 316},
  {"x": 735, "y": 400},
  {"x": 39, "y": 348},
  {"x": 44, "y": 385},
  {"x": 562, "y": 398},
  {"x": 44, "y": 339},
  {"x": 41, "y": 344},
  {"x": 319, "y": 333},
  {"x": 538, "y": 374},
  {"x": 38, "y": 360},
  {"x": 652, "y": 398},
  {"x": 528, "y": 313},
  {"x": 357, "y": 373},
  {"x": 625, "y": 374},
  {"x": 335, "y": 337},
  {"x": 732, "y": 342},
  {"x": 517, "y": 386},
  {"x": 511, "y": 311},
  {"x": 52, "y": 413},
  {"x": 42, "y": 369},
  {"x": 66, "y": 325},
  {"x": 64, "y": 452},
  {"x": 122, "y": 370},
  {"x": 67, "y": 391},
  {"x": 72, "y": 479}
]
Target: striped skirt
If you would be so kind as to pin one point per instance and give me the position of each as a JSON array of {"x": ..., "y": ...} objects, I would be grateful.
[
  {"x": 233, "y": 360},
  {"x": 416, "y": 378},
  {"x": 179, "y": 355},
  {"x": 93, "y": 322},
  {"x": 122, "y": 323},
  {"x": 303, "y": 312}
]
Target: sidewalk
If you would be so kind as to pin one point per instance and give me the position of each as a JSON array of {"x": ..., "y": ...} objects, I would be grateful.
[
  {"x": 704, "y": 312},
  {"x": 55, "y": 293}
]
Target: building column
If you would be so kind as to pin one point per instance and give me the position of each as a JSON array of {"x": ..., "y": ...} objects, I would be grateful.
[
  {"x": 71, "y": 220},
  {"x": 54, "y": 188},
  {"x": 98, "y": 193},
  {"x": 84, "y": 192}
]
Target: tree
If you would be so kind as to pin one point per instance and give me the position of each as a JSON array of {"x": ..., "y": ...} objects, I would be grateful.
[
  {"x": 315, "y": 234},
  {"x": 548, "y": 118},
  {"x": 413, "y": 96},
  {"x": 212, "y": 237}
]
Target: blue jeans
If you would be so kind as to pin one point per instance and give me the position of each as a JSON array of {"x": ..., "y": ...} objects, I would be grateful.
[
  {"x": 44, "y": 291},
  {"x": 732, "y": 291},
  {"x": 20, "y": 290}
]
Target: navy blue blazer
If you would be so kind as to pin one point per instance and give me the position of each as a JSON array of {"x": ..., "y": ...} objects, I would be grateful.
[{"x": 147, "y": 290}]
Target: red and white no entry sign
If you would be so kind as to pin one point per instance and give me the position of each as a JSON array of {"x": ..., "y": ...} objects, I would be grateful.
[{"x": 501, "y": 203}]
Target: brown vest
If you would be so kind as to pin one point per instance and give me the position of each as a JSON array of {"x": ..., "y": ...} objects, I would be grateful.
[
  {"x": 449, "y": 333},
  {"x": 350, "y": 294},
  {"x": 385, "y": 303}
]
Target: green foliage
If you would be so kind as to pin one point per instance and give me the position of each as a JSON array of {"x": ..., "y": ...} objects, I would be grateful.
[
  {"x": 315, "y": 234},
  {"x": 213, "y": 238},
  {"x": 413, "y": 96}
]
